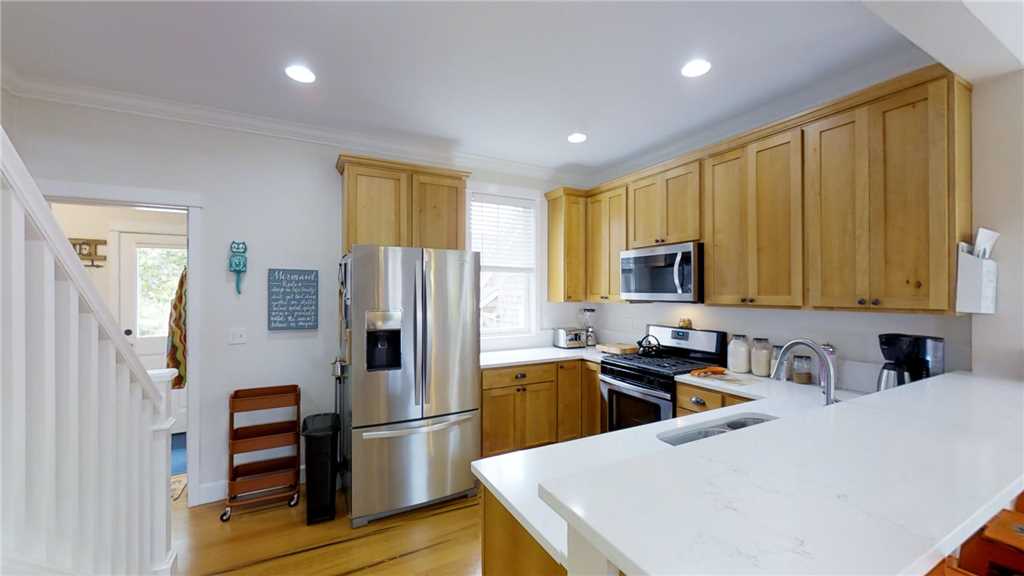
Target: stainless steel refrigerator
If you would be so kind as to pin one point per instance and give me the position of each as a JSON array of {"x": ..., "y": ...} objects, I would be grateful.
[{"x": 410, "y": 401}]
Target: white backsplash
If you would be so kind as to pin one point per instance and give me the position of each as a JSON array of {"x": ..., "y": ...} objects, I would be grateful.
[{"x": 854, "y": 334}]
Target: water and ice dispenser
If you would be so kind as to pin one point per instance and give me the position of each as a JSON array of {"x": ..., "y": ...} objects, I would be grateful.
[{"x": 383, "y": 341}]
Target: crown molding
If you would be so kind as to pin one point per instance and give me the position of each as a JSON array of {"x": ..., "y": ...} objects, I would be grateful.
[{"x": 348, "y": 141}]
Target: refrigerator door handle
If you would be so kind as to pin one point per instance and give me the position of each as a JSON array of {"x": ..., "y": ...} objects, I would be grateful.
[
  {"x": 417, "y": 337},
  {"x": 418, "y": 429},
  {"x": 426, "y": 348}
]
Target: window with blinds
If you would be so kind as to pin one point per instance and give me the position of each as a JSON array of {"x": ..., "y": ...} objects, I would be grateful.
[{"x": 503, "y": 230}]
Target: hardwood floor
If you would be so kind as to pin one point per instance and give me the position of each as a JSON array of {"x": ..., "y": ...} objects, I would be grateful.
[{"x": 442, "y": 539}]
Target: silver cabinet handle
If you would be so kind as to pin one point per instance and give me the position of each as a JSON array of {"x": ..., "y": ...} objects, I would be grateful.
[
  {"x": 417, "y": 429},
  {"x": 698, "y": 401},
  {"x": 520, "y": 375}
]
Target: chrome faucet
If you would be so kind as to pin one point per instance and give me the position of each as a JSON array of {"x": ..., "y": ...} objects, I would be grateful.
[{"x": 825, "y": 362}]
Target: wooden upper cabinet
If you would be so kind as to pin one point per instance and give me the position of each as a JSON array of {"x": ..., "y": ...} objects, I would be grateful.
[
  {"x": 682, "y": 203},
  {"x": 909, "y": 199},
  {"x": 725, "y": 215},
  {"x": 665, "y": 208},
  {"x": 647, "y": 211},
  {"x": 617, "y": 215},
  {"x": 439, "y": 211},
  {"x": 567, "y": 245},
  {"x": 836, "y": 210},
  {"x": 597, "y": 248},
  {"x": 606, "y": 237},
  {"x": 377, "y": 206},
  {"x": 775, "y": 220},
  {"x": 395, "y": 204}
]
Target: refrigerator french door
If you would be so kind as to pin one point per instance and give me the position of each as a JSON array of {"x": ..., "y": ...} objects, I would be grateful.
[{"x": 412, "y": 394}]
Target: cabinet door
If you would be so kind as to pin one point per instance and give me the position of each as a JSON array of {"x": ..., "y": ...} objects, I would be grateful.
[
  {"x": 377, "y": 207},
  {"x": 647, "y": 212},
  {"x": 616, "y": 201},
  {"x": 568, "y": 400},
  {"x": 590, "y": 399},
  {"x": 836, "y": 203},
  {"x": 775, "y": 220},
  {"x": 498, "y": 410},
  {"x": 908, "y": 182},
  {"x": 597, "y": 248},
  {"x": 536, "y": 407},
  {"x": 725, "y": 243},
  {"x": 438, "y": 212},
  {"x": 682, "y": 203}
]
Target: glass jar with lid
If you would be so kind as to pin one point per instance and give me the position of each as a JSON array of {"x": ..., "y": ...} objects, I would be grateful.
[
  {"x": 803, "y": 370},
  {"x": 739, "y": 354},
  {"x": 761, "y": 357}
]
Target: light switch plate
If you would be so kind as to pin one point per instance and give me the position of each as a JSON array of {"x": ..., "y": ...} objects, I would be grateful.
[{"x": 237, "y": 336}]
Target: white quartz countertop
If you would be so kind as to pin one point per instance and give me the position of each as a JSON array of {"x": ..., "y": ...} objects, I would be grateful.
[
  {"x": 514, "y": 478},
  {"x": 887, "y": 483},
  {"x": 503, "y": 358}
]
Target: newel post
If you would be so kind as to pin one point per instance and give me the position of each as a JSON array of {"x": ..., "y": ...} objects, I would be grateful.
[{"x": 163, "y": 555}]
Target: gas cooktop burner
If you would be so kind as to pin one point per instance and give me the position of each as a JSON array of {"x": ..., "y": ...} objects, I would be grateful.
[{"x": 662, "y": 363}]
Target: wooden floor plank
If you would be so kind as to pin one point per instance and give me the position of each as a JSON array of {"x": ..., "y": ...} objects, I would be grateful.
[{"x": 442, "y": 539}]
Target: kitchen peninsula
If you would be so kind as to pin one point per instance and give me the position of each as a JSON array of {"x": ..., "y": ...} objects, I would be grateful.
[{"x": 908, "y": 474}]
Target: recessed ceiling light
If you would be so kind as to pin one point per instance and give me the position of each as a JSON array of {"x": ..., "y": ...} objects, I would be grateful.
[
  {"x": 300, "y": 73},
  {"x": 696, "y": 67},
  {"x": 577, "y": 138}
]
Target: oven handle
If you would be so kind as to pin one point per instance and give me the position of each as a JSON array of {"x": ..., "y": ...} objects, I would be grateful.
[
  {"x": 636, "y": 389},
  {"x": 675, "y": 273}
]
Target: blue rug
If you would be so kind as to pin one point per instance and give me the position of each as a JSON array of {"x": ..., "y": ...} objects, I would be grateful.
[{"x": 179, "y": 461}]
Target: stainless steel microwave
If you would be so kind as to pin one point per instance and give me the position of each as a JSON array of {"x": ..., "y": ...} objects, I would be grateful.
[{"x": 664, "y": 273}]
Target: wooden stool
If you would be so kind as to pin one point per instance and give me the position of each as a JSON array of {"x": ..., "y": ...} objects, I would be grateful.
[{"x": 999, "y": 544}]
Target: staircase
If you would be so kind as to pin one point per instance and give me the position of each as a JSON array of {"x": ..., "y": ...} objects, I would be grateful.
[{"x": 84, "y": 428}]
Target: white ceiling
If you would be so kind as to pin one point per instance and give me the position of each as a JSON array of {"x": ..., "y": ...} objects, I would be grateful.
[{"x": 500, "y": 80}]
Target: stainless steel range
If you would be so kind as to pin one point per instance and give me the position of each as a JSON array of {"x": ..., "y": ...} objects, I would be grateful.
[{"x": 640, "y": 388}]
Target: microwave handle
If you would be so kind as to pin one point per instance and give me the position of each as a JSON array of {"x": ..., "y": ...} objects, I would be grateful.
[{"x": 675, "y": 272}]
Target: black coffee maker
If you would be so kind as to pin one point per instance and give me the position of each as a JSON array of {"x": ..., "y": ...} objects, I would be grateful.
[{"x": 909, "y": 357}]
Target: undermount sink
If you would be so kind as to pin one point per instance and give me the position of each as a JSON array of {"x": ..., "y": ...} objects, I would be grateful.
[{"x": 709, "y": 429}]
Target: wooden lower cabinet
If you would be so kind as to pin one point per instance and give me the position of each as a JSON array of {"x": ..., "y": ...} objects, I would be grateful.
[
  {"x": 590, "y": 399},
  {"x": 507, "y": 548},
  {"x": 532, "y": 405},
  {"x": 694, "y": 399},
  {"x": 568, "y": 401}
]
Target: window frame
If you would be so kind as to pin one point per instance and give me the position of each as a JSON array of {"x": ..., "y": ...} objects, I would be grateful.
[{"x": 533, "y": 301}]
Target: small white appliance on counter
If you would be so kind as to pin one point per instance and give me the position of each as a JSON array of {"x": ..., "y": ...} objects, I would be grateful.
[{"x": 570, "y": 338}]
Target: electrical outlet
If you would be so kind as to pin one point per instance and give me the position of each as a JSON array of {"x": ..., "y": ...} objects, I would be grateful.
[{"x": 237, "y": 336}]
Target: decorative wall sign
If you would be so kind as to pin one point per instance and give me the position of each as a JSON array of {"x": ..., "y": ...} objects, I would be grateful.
[
  {"x": 88, "y": 250},
  {"x": 237, "y": 262},
  {"x": 293, "y": 299}
]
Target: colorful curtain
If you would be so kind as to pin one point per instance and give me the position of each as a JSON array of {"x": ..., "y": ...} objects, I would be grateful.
[{"x": 176, "y": 332}]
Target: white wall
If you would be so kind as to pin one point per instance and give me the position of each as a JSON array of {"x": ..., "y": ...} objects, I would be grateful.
[
  {"x": 998, "y": 186},
  {"x": 282, "y": 197},
  {"x": 99, "y": 222}
]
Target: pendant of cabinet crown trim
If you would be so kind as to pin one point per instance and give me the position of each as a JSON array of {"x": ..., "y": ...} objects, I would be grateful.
[{"x": 665, "y": 208}]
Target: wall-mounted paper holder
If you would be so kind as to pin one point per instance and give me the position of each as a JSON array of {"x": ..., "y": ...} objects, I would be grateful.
[{"x": 976, "y": 281}]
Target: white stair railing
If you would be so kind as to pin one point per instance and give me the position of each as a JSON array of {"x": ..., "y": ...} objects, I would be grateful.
[{"x": 84, "y": 428}]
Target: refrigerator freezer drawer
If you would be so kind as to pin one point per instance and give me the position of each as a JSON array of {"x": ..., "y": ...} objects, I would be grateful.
[{"x": 402, "y": 465}]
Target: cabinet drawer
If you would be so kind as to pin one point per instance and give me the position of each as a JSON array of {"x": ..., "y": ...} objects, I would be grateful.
[
  {"x": 680, "y": 412},
  {"x": 731, "y": 400},
  {"x": 516, "y": 375},
  {"x": 697, "y": 399}
]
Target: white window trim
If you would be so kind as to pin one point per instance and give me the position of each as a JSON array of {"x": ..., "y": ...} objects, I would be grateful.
[{"x": 517, "y": 339}]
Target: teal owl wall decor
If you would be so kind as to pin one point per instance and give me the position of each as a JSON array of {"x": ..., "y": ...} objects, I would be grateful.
[{"x": 237, "y": 262}]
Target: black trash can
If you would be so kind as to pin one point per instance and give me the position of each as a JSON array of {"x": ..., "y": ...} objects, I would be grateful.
[{"x": 321, "y": 434}]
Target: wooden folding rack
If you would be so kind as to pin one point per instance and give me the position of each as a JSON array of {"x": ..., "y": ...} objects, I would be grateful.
[{"x": 264, "y": 481}]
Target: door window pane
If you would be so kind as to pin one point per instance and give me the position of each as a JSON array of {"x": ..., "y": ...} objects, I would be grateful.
[{"x": 158, "y": 272}]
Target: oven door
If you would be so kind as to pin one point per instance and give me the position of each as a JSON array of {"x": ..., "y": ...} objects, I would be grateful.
[
  {"x": 668, "y": 273},
  {"x": 630, "y": 405}
]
